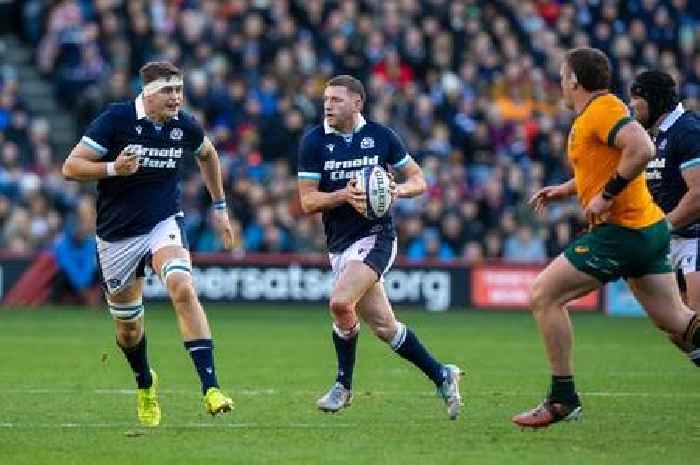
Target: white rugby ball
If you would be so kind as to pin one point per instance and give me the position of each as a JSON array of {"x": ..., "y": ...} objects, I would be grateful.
[{"x": 374, "y": 181}]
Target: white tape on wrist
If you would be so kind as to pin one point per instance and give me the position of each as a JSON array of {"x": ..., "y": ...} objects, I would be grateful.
[{"x": 111, "y": 169}]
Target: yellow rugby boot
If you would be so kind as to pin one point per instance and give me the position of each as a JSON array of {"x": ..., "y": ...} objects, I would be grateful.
[
  {"x": 147, "y": 404},
  {"x": 217, "y": 402}
]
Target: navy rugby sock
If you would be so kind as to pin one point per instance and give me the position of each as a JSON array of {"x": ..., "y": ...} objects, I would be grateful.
[
  {"x": 202, "y": 353},
  {"x": 138, "y": 360},
  {"x": 407, "y": 345},
  {"x": 345, "y": 349},
  {"x": 563, "y": 389}
]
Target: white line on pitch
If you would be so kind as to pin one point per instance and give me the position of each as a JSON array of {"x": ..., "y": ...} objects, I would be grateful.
[
  {"x": 362, "y": 393},
  {"x": 182, "y": 426}
]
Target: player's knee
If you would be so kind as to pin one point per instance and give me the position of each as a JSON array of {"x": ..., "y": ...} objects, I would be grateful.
[
  {"x": 341, "y": 306},
  {"x": 344, "y": 311},
  {"x": 540, "y": 297},
  {"x": 181, "y": 289}
]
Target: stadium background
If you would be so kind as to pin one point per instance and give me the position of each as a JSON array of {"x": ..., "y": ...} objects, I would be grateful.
[{"x": 472, "y": 87}]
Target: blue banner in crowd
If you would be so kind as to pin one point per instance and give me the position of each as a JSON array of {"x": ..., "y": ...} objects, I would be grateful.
[{"x": 619, "y": 300}]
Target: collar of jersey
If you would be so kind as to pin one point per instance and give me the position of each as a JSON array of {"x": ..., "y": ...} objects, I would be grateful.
[
  {"x": 141, "y": 110},
  {"x": 360, "y": 123},
  {"x": 593, "y": 99},
  {"x": 672, "y": 117}
]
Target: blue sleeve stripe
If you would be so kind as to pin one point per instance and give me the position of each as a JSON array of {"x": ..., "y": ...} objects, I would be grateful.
[
  {"x": 690, "y": 163},
  {"x": 308, "y": 175},
  {"x": 94, "y": 145},
  {"x": 199, "y": 149},
  {"x": 403, "y": 162}
]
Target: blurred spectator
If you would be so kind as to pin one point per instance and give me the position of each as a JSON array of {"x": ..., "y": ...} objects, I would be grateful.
[
  {"x": 74, "y": 252},
  {"x": 559, "y": 237},
  {"x": 429, "y": 246},
  {"x": 473, "y": 253},
  {"x": 493, "y": 245},
  {"x": 524, "y": 246}
]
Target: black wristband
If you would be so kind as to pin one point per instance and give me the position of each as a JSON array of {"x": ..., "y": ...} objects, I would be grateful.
[{"x": 613, "y": 187}]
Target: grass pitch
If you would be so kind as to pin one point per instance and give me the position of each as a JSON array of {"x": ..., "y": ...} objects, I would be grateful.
[{"x": 66, "y": 394}]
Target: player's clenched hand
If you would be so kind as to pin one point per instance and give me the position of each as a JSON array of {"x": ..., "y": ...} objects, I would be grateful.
[
  {"x": 127, "y": 162},
  {"x": 547, "y": 194},
  {"x": 222, "y": 224},
  {"x": 355, "y": 197},
  {"x": 598, "y": 209}
]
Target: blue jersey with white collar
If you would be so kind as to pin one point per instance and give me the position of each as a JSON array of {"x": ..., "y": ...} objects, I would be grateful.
[
  {"x": 677, "y": 149},
  {"x": 129, "y": 206},
  {"x": 332, "y": 159}
]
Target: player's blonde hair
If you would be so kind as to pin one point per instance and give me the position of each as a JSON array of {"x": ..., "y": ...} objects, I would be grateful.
[{"x": 352, "y": 84}]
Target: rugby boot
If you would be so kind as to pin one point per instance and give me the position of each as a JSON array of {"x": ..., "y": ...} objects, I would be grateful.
[
  {"x": 337, "y": 398},
  {"x": 449, "y": 391},
  {"x": 147, "y": 406},
  {"x": 550, "y": 411},
  {"x": 216, "y": 402}
]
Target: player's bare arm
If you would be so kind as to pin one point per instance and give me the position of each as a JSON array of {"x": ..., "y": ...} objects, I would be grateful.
[
  {"x": 637, "y": 150},
  {"x": 413, "y": 186},
  {"x": 547, "y": 194},
  {"x": 208, "y": 161},
  {"x": 314, "y": 201},
  {"x": 83, "y": 164},
  {"x": 688, "y": 209}
]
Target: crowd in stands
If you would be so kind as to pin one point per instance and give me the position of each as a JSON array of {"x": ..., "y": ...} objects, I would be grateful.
[
  {"x": 34, "y": 198},
  {"x": 471, "y": 86}
]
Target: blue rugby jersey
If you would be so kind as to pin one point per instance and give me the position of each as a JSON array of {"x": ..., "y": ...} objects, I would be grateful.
[
  {"x": 677, "y": 149},
  {"x": 332, "y": 159},
  {"x": 128, "y": 206}
]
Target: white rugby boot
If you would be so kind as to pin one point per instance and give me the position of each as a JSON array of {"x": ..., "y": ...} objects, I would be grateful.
[
  {"x": 449, "y": 391},
  {"x": 337, "y": 398}
]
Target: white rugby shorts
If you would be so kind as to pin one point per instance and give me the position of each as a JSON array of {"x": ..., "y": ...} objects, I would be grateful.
[
  {"x": 123, "y": 260},
  {"x": 376, "y": 251},
  {"x": 684, "y": 254}
]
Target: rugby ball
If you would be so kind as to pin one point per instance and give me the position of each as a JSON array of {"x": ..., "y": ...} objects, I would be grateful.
[{"x": 374, "y": 182}]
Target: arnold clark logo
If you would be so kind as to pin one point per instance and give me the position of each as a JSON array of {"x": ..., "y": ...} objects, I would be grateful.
[
  {"x": 153, "y": 157},
  {"x": 348, "y": 169}
]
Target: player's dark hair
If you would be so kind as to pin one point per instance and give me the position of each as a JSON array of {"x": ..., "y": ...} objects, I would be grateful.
[
  {"x": 659, "y": 90},
  {"x": 591, "y": 68},
  {"x": 352, "y": 84},
  {"x": 158, "y": 69}
]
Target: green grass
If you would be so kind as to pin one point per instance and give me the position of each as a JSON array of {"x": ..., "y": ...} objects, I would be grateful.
[{"x": 66, "y": 393}]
